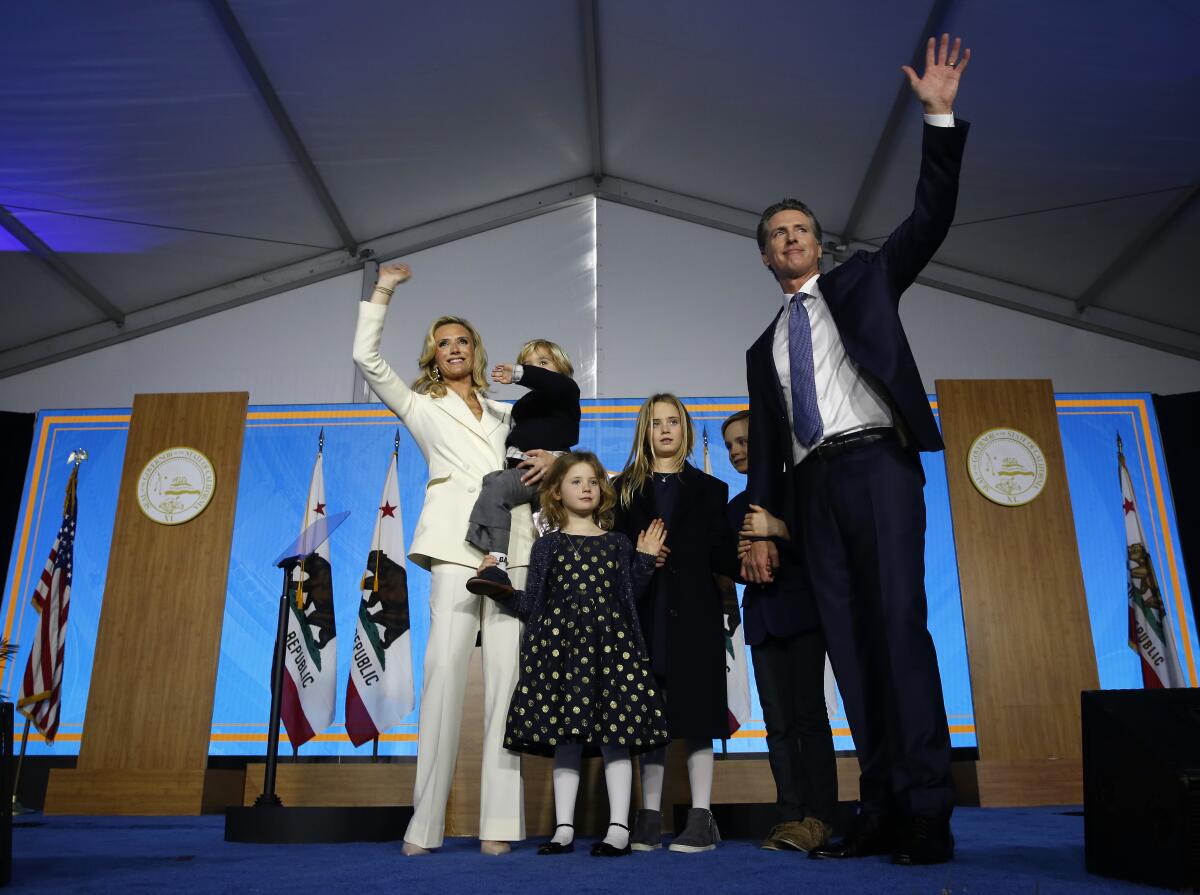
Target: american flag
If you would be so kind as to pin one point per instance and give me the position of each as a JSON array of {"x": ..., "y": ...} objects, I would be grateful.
[{"x": 41, "y": 687}]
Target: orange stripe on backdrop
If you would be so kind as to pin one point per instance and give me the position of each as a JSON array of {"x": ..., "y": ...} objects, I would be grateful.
[
  {"x": 634, "y": 408},
  {"x": 35, "y": 737},
  {"x": 364, "y": 413},
  {"x": 319, "y": 738},
  {"x": 839, "y": 732}
]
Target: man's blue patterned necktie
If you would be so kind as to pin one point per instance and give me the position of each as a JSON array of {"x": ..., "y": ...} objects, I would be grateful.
[{"x": 806, "y": 416}]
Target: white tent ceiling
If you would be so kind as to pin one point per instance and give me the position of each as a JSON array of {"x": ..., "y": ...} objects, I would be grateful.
[{"x": 164, "y": 160}]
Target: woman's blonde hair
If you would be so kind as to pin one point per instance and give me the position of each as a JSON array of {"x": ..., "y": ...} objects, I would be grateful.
[
  {"x": 430, "y": 381},
  {"x": 551, "y": 492},
  {"x": 641, "y": 454},
  {"x": 555, "y": 351}
]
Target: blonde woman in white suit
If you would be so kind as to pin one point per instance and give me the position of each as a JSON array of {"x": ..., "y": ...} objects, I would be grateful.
[{"x": 461, "y": 434}]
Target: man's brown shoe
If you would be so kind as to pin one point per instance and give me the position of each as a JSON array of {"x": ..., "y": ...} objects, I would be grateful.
[
  {"x": 798, "y": 835},
  {"x": 772, "y": 843}
]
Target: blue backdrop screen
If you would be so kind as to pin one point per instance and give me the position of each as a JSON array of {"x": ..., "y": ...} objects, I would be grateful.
[{"x": 280, "y": 446}]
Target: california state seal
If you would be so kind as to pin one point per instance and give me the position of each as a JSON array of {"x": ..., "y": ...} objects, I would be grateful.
[
  {"x": 1007, "y": 467},
  {"x": 176, "y": 485}
]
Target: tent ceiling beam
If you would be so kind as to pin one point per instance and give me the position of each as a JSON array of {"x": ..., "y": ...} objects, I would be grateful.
[
  {"x": 59, "y": 265},
  {"x": 591, "y": 61},
  {"x": 183, "y": 309},
  {"x": 886, "y": 147},
  {"x": 1152, "y": 233},
  {"x": 237, "y": 37},
  {"x": 741, "y": 222},
  {"x": 1005, "y": 294}
]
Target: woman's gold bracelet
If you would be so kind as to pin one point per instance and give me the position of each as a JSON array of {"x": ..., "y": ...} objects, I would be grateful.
[{"x": 385, "y": 290}]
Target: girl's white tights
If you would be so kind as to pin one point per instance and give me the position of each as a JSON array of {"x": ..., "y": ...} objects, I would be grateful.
[
  {"x": 618, "y": 778},
  {"x": 700, "y": 775}
]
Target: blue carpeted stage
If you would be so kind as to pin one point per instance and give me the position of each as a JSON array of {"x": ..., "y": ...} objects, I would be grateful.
[{"x": 1000, "y": 850}]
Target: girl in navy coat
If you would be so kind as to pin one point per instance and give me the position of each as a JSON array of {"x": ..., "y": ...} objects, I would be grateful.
[{"x": 681, "y": 611}]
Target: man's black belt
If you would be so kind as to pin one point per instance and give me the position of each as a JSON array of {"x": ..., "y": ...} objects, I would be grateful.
[{"x": 837, "y": 445}]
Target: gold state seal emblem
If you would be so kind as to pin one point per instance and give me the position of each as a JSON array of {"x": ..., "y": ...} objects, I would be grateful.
[
  {"x": 176, "y": 485},
  {"x": 1007, "y": 467}
]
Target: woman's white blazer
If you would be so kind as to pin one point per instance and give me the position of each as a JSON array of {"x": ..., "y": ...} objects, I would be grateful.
[{"x": 458, "y": 448}]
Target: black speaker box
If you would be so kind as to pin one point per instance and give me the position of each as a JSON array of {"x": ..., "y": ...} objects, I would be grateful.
[
  {"x": 1141, "y": 785},
  {"x": 6, "y": 791}
]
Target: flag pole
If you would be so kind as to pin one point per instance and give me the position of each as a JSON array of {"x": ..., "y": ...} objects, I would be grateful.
[
  {"x": 268, "y": 796},
  {"x": 375, "y": 749},
  {"x": 17, "y": 807}
]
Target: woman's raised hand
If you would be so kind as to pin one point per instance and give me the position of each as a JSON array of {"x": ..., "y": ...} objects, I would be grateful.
[
  {"x": 392, "y": 275},
  {"x": 652, "y": 540}
]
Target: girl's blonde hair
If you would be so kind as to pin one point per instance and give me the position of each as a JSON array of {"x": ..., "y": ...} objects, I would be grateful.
[
  {"x": 430, "y": 381},
  {"x": 641, "y": 454},
  {"x": 551, "y": 492},
  {"x": 555, "y": 351}
]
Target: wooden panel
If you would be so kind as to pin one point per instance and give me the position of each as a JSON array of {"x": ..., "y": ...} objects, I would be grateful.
[
  {"x": 1007, "y": 784},
  {"x": 140, "y": 791},
  {"x": 748, "y": 779},
  {"x": 736, "y": 780},
  {"x": 151, "y": 696},
  {"x": 222, "y": 789},
  {"x": 318, "y": 784},
  {"x": 1029, "y": 640}
]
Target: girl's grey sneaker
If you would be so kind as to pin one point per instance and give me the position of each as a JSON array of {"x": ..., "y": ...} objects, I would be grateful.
[
  {"x": 647, "y": 830},
  {"x": 700, "y": 834}
]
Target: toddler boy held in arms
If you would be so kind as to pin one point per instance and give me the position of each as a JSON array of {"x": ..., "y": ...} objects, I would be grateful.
[{"x": 546, "y": 418}]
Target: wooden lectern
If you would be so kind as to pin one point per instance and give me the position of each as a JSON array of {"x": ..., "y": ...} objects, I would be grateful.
[
  {"x": 149, "y": 710},
  {"x": 1029, "y": 638}
]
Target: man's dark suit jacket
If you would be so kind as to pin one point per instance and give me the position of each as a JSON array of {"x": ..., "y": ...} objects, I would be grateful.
[
  {"x": 783, "y": 608},
  {"x": 863, "y": 295}
]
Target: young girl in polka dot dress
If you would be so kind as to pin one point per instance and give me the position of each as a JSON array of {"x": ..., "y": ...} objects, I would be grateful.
[{"x": 584, "y": 676}]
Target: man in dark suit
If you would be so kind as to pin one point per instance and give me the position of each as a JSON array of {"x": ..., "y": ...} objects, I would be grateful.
[
  {"x": 781, "y": 627},
  {"x": 838, "y": 415}
]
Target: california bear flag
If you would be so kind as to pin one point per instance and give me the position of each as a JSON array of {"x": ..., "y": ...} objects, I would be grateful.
[
  {"x": 379, "y": 692},
  {"x": 1150, "y": 633},
  {"x": 310, "y": 685}
]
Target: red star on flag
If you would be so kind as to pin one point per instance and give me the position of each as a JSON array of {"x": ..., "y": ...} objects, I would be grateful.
[
  {"x": 388, "y": 510},
  {"x": 1128, "y": 507},
  {"x": 319, "y": 509}
]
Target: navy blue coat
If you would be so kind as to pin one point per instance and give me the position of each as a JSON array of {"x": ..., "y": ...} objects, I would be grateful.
[
  {"x": 695, "y": 635},
  {"x": 863, "y": 295}
]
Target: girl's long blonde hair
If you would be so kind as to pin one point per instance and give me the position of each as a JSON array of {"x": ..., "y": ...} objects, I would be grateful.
[
  {"x": 430, "y": 381},
  {"x": 641, "y": 454},
  {"x": 550, "y": 494}
]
